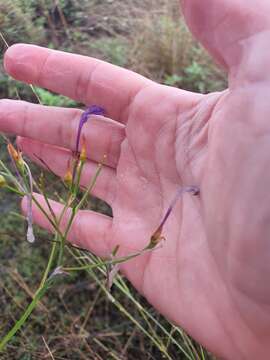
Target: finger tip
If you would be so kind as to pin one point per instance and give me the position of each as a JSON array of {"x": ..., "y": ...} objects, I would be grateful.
[
  {"x": 11, "y": 55},
  {"x": 18, "y": 62}
]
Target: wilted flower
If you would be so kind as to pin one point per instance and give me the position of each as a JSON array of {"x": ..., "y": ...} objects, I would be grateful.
[
  {"x": 111, "y": 275},
  {"x": 58, "y": 271},
  {"x": 20, "y": 167},
  {"x": 157, "y": 235},
  {"x": 30, "y": 232},
  {"x": 91, "y": 110}
]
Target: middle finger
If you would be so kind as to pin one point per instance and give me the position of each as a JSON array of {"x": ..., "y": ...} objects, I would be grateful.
[{"x": 59, "y": 126}]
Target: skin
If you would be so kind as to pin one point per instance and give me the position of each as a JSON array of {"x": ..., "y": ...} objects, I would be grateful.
[{"x": 211, "y": 274}]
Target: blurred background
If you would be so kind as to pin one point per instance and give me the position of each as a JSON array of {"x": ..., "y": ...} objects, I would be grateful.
[{"x": 79, "y": 319}]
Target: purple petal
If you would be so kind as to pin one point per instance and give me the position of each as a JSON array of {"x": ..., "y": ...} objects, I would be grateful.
[
  {"x": 194, "y": 190},
  {"x": 91, "y": 110},
  {"x": 155, "y": 238}
]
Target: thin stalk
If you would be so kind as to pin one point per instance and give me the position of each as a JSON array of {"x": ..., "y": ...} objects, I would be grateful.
[
  {"x": 50, "y": 261},
  {"x": 114, "y": 261},
  {"x": 79, "y": 174},
  {"x": 47, "y": 216},
  {"x": 38, "y": 295},
  {"x": 188, "y": 344},
  {"x": 43, "y": 287},
  {"x": 10, "y": 175},
  {"x": 122, "y": 309},
  {"x": 63, "y": 239},
  {"x": 41, "y": 190},
  {"x": 202, "y": 352},
  {"x": 120, "y": 284},
  {"x": 86, "y": 194},
  {"x": 14, "y": 190}
]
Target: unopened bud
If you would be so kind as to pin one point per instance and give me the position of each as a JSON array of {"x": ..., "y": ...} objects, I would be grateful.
[
  {"x": 13, "y": 152},
  {"x": 83, "y": 155},
  {"x": 156, "y": 238},
  {"x": 68, "y": 176},
  {"x": 2, "y": 181},
  {"x": 16, "y": 156}
]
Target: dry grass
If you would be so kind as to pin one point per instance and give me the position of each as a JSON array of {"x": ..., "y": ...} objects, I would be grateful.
[{"x": 164, "y": 50}]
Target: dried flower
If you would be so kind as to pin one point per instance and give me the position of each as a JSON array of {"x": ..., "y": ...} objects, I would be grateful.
[
  {"x": 157, "y": 235},
  {"x": 111, "y": 275},
  {"x": 57, "y": 271},
  {"x": 112, "y": 270}
]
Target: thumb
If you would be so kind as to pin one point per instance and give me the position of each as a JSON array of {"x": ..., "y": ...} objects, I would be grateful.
[{"x": 230, "y": 29}]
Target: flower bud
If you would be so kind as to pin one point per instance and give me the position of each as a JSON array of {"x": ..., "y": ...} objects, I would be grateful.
[
  {"x": 68, "y": 178},
  {"x": 156, "y": 238},
  {"x": 16, "y": 156},
  {"x": 83, "y": 155},
  {"x": 2, "y": 181},
  {"x": 13, "y": 152}
]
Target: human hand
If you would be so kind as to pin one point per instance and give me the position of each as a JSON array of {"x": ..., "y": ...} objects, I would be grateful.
[{"x": 212, "y": 269}]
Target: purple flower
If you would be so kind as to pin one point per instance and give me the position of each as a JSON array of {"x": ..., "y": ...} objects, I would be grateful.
[{"x": 91, "y": 110}]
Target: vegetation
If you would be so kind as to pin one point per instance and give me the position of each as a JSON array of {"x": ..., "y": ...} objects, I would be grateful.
[{"x": 80, "y": 319}]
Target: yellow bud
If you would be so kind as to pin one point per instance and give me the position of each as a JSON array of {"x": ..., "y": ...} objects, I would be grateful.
[
  {"x": 83, "y": 155},
  {"x": 16, "y": 156},
  {"x": 13, "y": 152},
  {"x": 68, "y": 176},
  {"x": 2, "y": 181}
]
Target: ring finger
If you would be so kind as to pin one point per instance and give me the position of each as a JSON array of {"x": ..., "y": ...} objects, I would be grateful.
[{"x": 57, "y": 160}]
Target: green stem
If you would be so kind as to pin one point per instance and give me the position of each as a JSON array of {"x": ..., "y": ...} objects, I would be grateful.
[
  {"x": 78, "y": 178},
  {"x": 122, "y": 309},
  {"x": 14, "y": 190},
  {"x": 38, "y": 295},
  {"x": 50, "y": 261},
  {"x": 75, "y": 209},
  {"x": 10, "y": 175},
  {"x": 47, "y": 216},
  {"x": 108, "y": 262},
  {"x": 43, "y": 287},
  {"x": 63, "y": 239}
]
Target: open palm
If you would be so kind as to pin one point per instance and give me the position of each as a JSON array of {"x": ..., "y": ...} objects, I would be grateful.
[{"x": 212, "y": 269}]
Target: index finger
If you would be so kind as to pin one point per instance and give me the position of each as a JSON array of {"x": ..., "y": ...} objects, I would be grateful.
[{"x": 84, "y": 79}]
